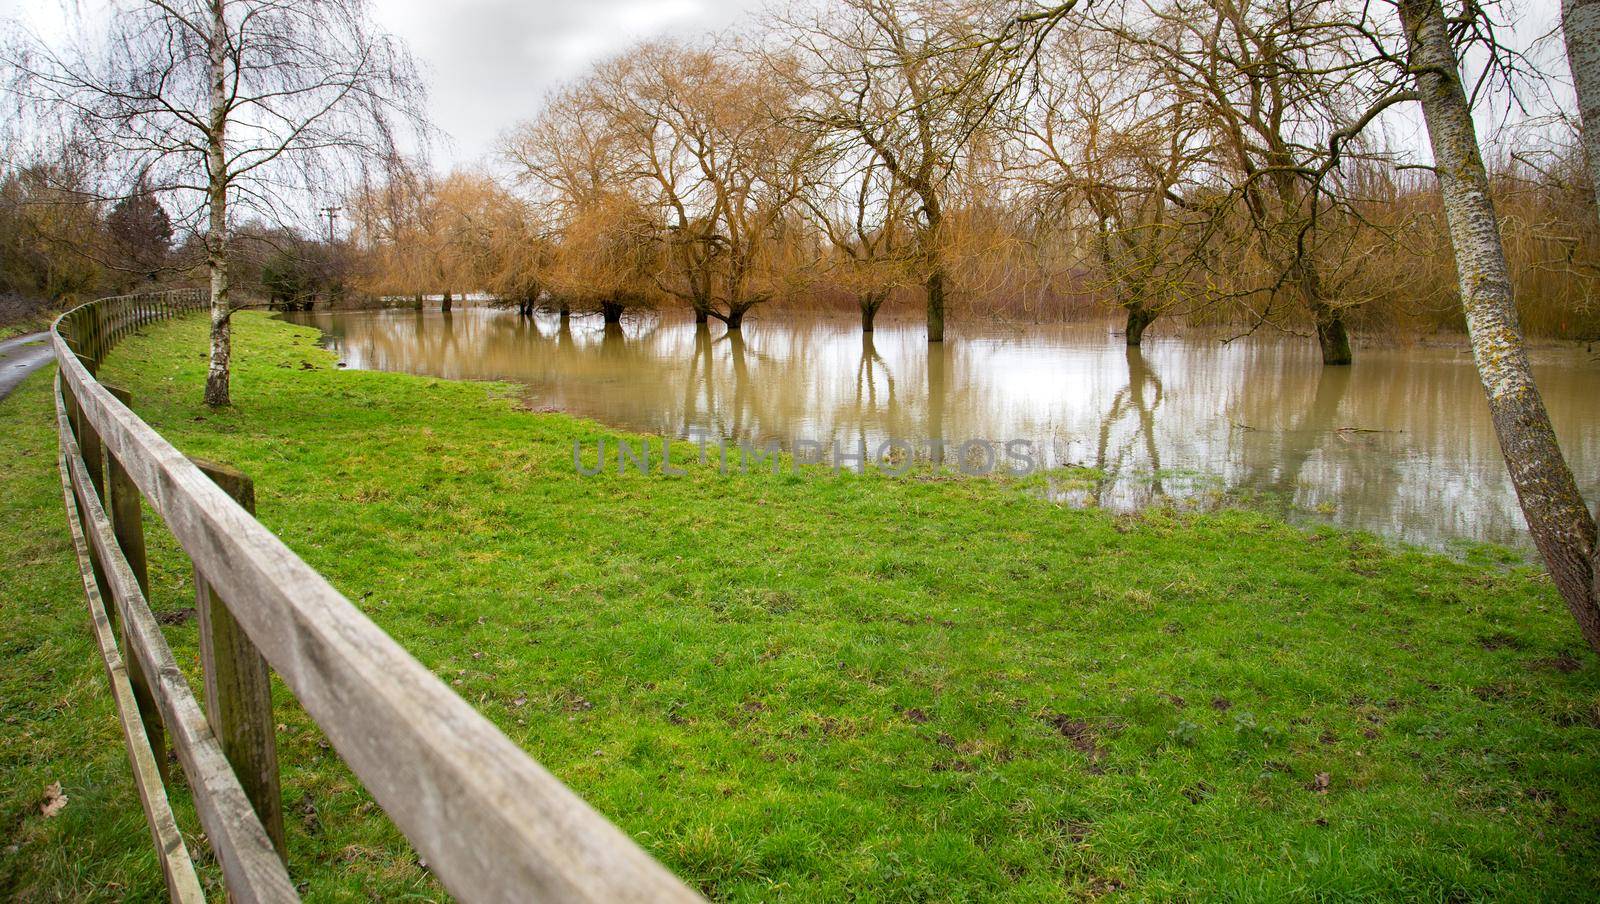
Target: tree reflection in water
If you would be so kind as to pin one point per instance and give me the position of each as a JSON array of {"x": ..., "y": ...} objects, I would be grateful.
[{"x": 1399, "y": 444}]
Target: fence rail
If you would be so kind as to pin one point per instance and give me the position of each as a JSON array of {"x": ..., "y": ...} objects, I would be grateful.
[{"x": 492, "y": 823}]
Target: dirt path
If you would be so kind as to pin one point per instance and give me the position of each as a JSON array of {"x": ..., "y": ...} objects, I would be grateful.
[{"x": 21, "y": 356}]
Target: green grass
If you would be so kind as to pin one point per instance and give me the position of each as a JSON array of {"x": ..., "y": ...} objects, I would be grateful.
[
  {"x": 810, "y": 687},
  {"x": 12, "y": 330},
  {"x": 32, "y": 323}
]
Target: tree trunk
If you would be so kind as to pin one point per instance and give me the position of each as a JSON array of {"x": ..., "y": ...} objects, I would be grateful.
[
  {"x": 611, "y": 311},
  {"x": 869, "y": 310},
  {"x": 735, "y": 318},
  {"x": 1139, "y": 319},
  {"x": 566, "y": 310},
  {"x": 1580, "y": 22},
  {"x": 445, "y": 306},
  {"x": 217, "y": 372},
  {"x": 701, "y": 316},
  {"x": 935, "y": 291},
  {"x": 1331, "y": 335},
  {"x": 217, "y": 392},
  {"x": 1561, "y": 525}
]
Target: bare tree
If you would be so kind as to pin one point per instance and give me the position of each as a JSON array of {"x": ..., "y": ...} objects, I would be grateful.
[
  {"x": 576, "y": 159},
  {"x": 229, "y": 108},
  {"x": 1287, "y": 89},
  {"x": 1561, "y": 525},
  {"x": 913, "y": 81},
  {"x": 1109, "y": 145},
  {"x": 862, "y": 211},
  {"x": 711, "y": 131}
]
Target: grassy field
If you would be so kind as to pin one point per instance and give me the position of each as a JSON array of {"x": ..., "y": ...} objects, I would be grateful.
[
  {"x": 810, "y": 687},
  {"x": 22, "y": 328}
]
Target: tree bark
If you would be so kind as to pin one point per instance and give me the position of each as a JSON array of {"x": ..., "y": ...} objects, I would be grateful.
[
  {"x": 1560, "y": 523},
  {"x": 870, "y": 303},
  {"x": 217, "y": 392},
  {"x": 1332, "y": 337},
  {"x": 1580, "y": 23},
  {"x": 1334, "y": 340},
  {"x": 1139, "y": 319},
  {"x": 611, "y": 311},
  {"x": 935, "y": 291},
  {"x": 735, "y": 319}
]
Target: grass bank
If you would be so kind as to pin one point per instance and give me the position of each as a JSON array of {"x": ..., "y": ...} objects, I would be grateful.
[
  {"x": 814, "y": 687},
  {"x": 23, "y": 327}
]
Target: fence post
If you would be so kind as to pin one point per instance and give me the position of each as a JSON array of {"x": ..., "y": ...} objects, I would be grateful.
[
  {"x": 97, "y": 330},
  {"x": 237, "y": 685},
  {"x": 128, "y": 525},
  {"x": 93, "y": 455}
]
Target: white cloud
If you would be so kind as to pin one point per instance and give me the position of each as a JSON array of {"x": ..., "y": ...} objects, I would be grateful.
[{"x": 490, "y": 63}]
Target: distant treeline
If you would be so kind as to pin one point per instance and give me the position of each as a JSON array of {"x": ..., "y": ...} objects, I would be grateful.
[
  {"x": 920, "y": 157},
  {"x": 60, "y": 245},
  {"x": 1206, "y": 162}
]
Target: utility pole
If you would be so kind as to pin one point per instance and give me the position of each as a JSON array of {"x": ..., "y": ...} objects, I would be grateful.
[{"x": 331, "y": 211}]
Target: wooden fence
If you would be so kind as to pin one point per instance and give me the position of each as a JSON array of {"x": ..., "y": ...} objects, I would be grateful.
[{"x": 492, "y": 824}]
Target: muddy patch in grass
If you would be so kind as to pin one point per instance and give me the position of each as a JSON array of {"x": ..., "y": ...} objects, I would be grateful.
[{"x": 1565, "y": 663}]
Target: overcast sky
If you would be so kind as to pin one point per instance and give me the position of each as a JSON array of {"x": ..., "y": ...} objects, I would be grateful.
[{"x": 490, "y": 62}]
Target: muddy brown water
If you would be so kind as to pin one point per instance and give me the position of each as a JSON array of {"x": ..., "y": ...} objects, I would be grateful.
[{"x": 1398, "y": 444}]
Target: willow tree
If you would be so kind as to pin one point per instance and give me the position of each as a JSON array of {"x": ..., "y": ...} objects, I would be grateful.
[
  {"x": 1562, "y": 528},
  {"x": 600, "y": 239},
  {"x": 228, "y": 108},
  {"x": 1112, "y": 143},
  {"x": 710, "y": 133},
  {"x": 1284, "y": 88},
  {"x": 914, "y": 82},
  {"x": 862, "y": 212}
]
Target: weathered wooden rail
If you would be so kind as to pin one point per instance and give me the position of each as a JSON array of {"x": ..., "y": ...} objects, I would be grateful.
[{"x": 492, "y": 824}]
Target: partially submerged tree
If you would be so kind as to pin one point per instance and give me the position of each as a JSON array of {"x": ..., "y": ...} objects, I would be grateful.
[
  {"x": 1283, "y": 89},
  {"x": 602, "y": 250},
  {"x": 912, "y": 82},
  {"x": 229, "y": 107},
  {"x": 711, "y": 132},
  {"x": 1114, "y": 148},
  {"x": 863, "y": 212}
]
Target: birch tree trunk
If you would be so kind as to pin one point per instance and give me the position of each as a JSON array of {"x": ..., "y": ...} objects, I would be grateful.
[
  {"x": 1557, "y": 518},
  {"x": 1580, "y": 23},
  {"x": 217, "y": 244}
]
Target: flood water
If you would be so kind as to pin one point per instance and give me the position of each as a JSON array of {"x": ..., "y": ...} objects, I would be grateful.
[{"x": 1399, "y": 444}]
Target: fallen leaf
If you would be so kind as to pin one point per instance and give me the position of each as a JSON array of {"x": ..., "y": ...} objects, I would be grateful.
[
  {"x": 54, "y": 801},
  {"x": 1321, "y": 782}
]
